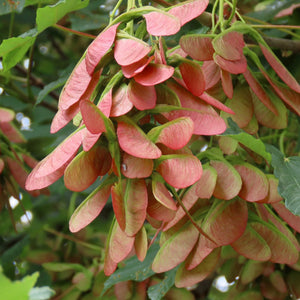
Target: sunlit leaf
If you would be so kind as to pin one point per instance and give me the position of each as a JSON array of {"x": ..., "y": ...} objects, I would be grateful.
[
  {"x": 180, "y": 171},
  {"x": 49, "y": 15},
  {"x": 129, "y": 51}
]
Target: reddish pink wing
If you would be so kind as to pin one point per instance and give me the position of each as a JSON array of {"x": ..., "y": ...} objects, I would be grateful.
[
  {"x": 162, "y": 24},
  {"x": 129, "y": 51},
  {"x": 99, "y": 47},
  {"x": 91, "y": 117},
  {"x": 89, "y": 209},
  {"x": 162, "y": 195},
  {"x": 233, "y": 67},
  {"x": 227, "y": 83},
  {"x": 212, "y": 74},
  {"x": 134, "y": 167},
  {"x": 182, "y": 171},
  {"x": 135, "y": 142},
  {"x": 193, "y": 77},
  {"x": 188, "y": 10},
  {"x": 154, "y": 74},
  {"x": 216, "y": 103},
  {"x": 280, "y": 69},
  {"x": 120, "y": 102},
  {"x": 55, "y": 160},
  {"x": 142, "y": 97},
  {"x": 197, "y": 47},
  {"x": 6, "y": 115},
  {"x": 137, "y": 67}
]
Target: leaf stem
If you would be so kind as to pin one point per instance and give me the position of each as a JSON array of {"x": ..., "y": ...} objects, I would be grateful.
[
  {"x": 69, "y": 30},
  {"x": 73, "y": 239},
  {"x": 190, "y": 216},
  {"x": 112, "y": 14},
  {"x": 276, "y": 26},
  {"x": 11, "y": 24}
]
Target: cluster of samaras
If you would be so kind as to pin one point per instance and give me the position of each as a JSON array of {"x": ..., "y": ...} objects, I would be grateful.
[
  {"x": 14, "y": 164},
  {"x": 152, "y": 103}
]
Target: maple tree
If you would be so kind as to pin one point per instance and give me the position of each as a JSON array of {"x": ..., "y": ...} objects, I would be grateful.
[{"x": 177, "y": 133}]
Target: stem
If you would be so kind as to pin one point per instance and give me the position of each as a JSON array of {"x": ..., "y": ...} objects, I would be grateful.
[
  {"x": 276, "y": 26},
  {"x": 221, "y": 14},
  {"x": 281, "y": 141},
  {"x": 213, "y": 13},
  {"x": 73, "y": 239},
  {"x": 11, "y": 24},
  {"x": 112, "y": 14},
  {"x": 29, "y": 91},
  {"x": 232, "y": 14},
  {"x": 190, "y": 216},
  {"x": 79, "y": 33}
]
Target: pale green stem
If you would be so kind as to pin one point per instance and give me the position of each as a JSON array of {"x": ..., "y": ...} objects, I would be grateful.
[
  {"x": 281, "y": 142},
  {"x": 213, "y": 13},
  {"x": 112, "y": 14}
]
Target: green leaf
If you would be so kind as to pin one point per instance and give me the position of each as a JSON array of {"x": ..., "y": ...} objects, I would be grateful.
[
  {"x": 246, "y": 139},
  {"x": 13, "y": 50},
  {"x": 157, "y": 291},
  {"x": 7, "y": 7},
  {"x": 51, "y": 87},
  {"x": 287, "y": 171},
  {"x": 133, "y": 269},
  {"x": 19, "y": 289},
  {"x": 50, "y": 15},
  {"x": 41, "y": 293}
]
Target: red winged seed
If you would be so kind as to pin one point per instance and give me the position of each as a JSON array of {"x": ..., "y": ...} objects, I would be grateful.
[
  {"x": 193, "y": 77},
  {"x": 118, "y": 205},
  {"x": 17, "y": 170},
  {"x": 186, "y": 278},
  {"x": 55, "y": 160},
  {"x": 233, "y": 67},
  {"x": 135, "y": 142},
  {"x": 227, "y": 221},
  {"x": 216, "y": 103},
  {"x": 89, "y": 139},
  {"x": 162, "y": 195},
  {"x": 91, "y": 117},
  {"x": 212, "y": 74},
  {"x": 6, "y": 115},
  {"x": 230, "y": 45},
  {"x": 182, "y": 171},
  {"x": 182, "y": 128},
  {"x": 141, "y": 244},
  {"x": 89, "y": 209},
  {"x": 188, "y": 10},
  {"x": 134, "y": 167},
  {"x": 86, "y": 167},
  {"x": 11, "y": 132},
  {"x": 106, "y": 103},
  {"x": 75, "y": 87},
  {"x": 63, "y": 117},
  {"x": 252, "y": 245},
  {"x": 227, "y": 83},
  {"x": 142, "y": 97},
  {"x": 2, "y": 165},
  {"x": 120, "y": 244},
  {"x": 259, "y": 91},
  {"x": 162, "y": 24},
  {"x": 120, "y": 102},
  {"x": 154, "y": 74},
  {"x": 197, "y": 47},
  {"x": 279, "y": 68},
  {"x": 137, "y": 67},
  {"x": 130, "y": 51},
  {"x": 99, "y": 47},
  {"x": 255, "y": 183}
]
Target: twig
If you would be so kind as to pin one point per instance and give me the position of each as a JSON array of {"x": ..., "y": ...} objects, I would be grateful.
[{"x": 87, "y": 35}]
